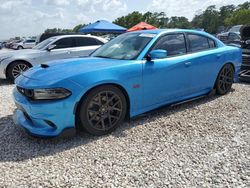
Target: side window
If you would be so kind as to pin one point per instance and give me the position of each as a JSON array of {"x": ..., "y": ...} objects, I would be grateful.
[
  {"x": 198, "y": 43},
  {"x": 30, "y": 41},
  {"x": 174, "y": 44},
  {"x": 65, "y": 43},
  {"x": 233, "y": 37},
  {"x": 211, "y": 43},
  {"x": 86, "y": 41}
]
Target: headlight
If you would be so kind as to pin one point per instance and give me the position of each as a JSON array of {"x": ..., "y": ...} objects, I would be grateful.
[
  {"x": 44, "y": 94},
  {"x": 48, "y": 94}
]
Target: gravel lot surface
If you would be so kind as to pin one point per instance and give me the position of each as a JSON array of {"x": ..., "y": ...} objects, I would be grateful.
[{"x": 205, "y": 143}]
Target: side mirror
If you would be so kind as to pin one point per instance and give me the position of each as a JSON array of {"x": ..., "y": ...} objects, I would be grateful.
[
  {"x": 157, "y": 54},
  {"x": 51, "y": 47}
]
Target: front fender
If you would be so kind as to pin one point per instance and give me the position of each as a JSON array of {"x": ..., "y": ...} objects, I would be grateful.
[{"x": 130, "y": 80}]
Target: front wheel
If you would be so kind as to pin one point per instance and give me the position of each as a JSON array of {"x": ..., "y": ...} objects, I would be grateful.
[
  {"x": 103, "y": 110},
  {"x": 16, "y": 68},
  {"x": 225, "y": 79}
]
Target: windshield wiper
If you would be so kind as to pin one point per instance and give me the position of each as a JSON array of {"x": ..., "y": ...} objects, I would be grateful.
[{"x": 101, "y": 56}]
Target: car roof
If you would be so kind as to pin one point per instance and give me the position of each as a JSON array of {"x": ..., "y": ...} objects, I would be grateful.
[
  {"x": 64, "y": 36},
  {"x": 67, "y": 36},
  {"x": 164, "y": 31},
  {"x": 160, "y": 31}
]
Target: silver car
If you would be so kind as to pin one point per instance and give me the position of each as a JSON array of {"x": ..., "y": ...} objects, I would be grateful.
[
  {"x": 13, "y": 63},
  {"x": 24, "y": 44}
]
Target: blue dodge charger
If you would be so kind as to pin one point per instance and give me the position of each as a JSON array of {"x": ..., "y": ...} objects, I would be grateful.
[{"x": 132, "y": 74}]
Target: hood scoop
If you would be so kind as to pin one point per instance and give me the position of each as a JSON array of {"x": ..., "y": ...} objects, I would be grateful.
[{"x": 44, "y": 66}]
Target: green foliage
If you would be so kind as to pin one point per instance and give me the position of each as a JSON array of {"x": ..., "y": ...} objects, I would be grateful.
[
  {"x": 240, "y": 17},
  {"x": 76, "y": 28},
  {"x": 129, "y": 20},
  {"x": 58, "y": 30},
  {"x": 179, "y": 22}
]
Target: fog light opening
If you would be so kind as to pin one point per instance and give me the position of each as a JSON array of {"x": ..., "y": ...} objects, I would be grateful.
[{"x": 51, "y": 124}]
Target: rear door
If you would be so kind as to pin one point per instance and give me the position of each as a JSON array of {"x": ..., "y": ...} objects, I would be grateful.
[
  {"x": 205, "y": 59},
  {"x": 85, "y": 46},
  {"x": 30, "y": 43}
]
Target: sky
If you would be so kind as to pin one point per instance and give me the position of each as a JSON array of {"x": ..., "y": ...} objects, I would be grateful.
[{"x": 32, "y": 17}]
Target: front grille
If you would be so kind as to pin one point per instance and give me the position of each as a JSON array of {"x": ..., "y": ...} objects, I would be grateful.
[
  {"x": 246, "y": 59},
  {"x": 26, "y": 92}
]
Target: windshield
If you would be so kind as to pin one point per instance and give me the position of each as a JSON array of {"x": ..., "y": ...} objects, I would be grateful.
[
  {"x": 235, "y": 28},
  {"x": 43, "y": 44},
  {"x": 127, "y": 46}
]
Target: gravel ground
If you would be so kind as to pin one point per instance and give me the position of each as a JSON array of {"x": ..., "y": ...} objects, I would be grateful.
[{"x": 205, "y": 143}]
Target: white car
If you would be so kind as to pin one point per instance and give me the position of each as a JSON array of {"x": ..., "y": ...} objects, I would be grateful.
[
  {"x": 13, "y": 63},
  {"x": 24, "y": 44}
]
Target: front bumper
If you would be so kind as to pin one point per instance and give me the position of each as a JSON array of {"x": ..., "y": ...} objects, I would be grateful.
[{"x": 44, "y": 119}]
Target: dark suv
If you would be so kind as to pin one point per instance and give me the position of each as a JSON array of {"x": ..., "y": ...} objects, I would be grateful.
[{"x": 245, "y": 45}]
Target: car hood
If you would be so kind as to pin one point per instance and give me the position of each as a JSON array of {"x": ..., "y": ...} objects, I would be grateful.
[
  {"x": 65, "y": 69},
  {"x": 19, "y": 52}
]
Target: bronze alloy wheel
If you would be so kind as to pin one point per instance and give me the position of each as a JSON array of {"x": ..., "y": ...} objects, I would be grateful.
[
  {"x": 103, "y": 110},
  {"x": 225, "y": 79}
]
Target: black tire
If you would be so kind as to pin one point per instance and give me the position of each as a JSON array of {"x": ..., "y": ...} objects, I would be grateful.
[
  {"x": 12, "y": 71},
  {"x": 225, "y": 79},
  {"x": 103, "y": 110},
  {"x": 19, "y": 47}
]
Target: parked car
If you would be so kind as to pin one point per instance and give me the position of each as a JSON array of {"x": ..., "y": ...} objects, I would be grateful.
[
  {"x": 24, "y": 44},
  {"x": 45, "y": 36},
  {"x": 10, "y": 43},
  {"x": 133, "y": 73},
  {"x": 232, "y": 36},
  {"x": 245, "y": 45},
  {"x": 59, "y": 47}
]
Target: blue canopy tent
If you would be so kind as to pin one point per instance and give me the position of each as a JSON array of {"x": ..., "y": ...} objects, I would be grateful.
[{"x": 102, "y": 26}]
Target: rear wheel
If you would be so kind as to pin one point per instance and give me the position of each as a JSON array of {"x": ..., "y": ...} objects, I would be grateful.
[
  {"x": 16, "y": 68},
  {"x": 225, "y": 79},
  {"x": 103, "y": 110},
  {"x": 19, "y": 47}
]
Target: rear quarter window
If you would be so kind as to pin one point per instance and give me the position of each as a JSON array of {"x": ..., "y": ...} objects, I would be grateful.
[{"x": 198, "y": 43}]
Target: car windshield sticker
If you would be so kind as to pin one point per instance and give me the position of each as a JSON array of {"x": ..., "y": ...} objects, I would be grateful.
[{"x": 150, "y": 35}]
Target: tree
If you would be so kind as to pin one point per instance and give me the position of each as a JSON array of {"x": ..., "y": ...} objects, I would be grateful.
[
  {"x": 57, "y": 30},
  {"x": 179, "y": 22},
  {"x": 245, "y": 5},
  {"x": 129, "y": 20},
  {"x": 77, "y": 28},
  {"x": 197, "y": 21},
  {"x": 210, "y": 21},
  {"x": 239, "y": 17},
  {"x": 157, "y": 19},
  {"x": 225, "y": 12}
]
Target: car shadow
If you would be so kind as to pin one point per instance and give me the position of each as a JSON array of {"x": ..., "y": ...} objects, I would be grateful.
[
  {"x": 4, "y": 82},
  {"x": 17, "y": 145},
  {"x": 244, "y": 82}
]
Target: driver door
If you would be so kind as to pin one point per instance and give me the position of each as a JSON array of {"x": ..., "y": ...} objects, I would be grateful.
[
  {"x": 167, "y": 80},
  {"x": 63, "y": 50}
]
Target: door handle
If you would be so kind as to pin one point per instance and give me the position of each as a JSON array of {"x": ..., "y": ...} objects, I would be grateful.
[
  {"x": 69, "y": 52},
  {"x": 187, "y": 64}
]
